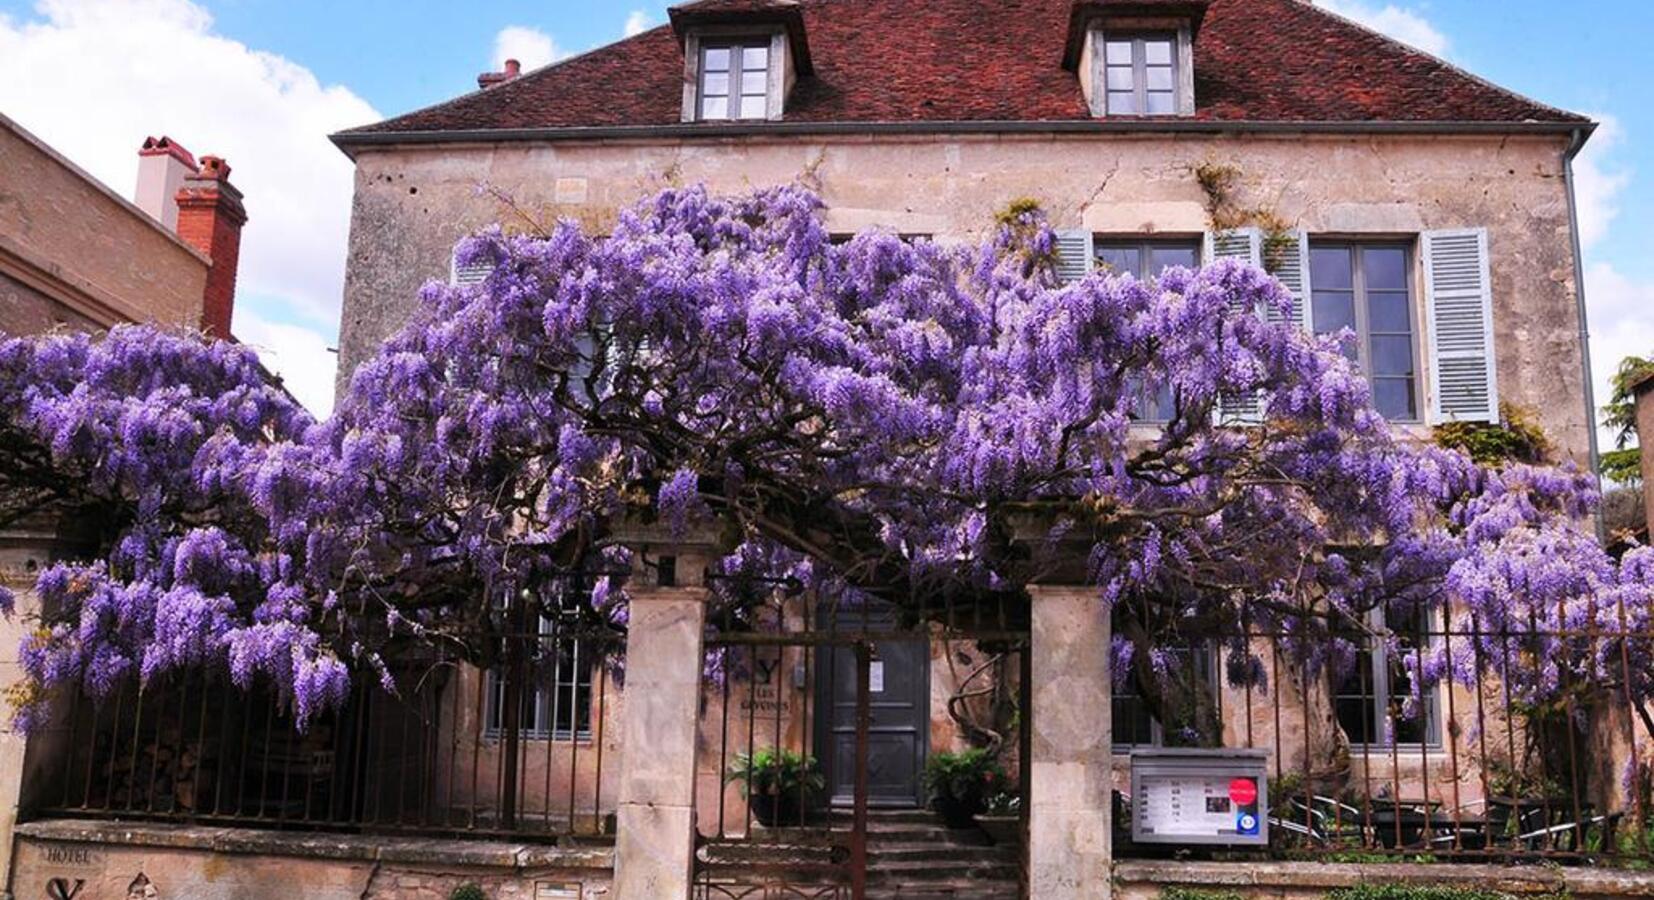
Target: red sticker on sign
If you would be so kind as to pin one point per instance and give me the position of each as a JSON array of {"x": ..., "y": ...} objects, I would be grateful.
[{"x": 1244, "y": 791}]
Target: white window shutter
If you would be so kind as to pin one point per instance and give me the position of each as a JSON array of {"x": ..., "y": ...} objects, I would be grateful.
[
  {"x": 1292, "y": 270},
  {"x": 475, "y": 273},
  {"x": 1075, "y": 255},
  {"x": 1464, "y": 384},
  {"x": 1245, "y": 244},
  {"x": 1241, "y": 243}
]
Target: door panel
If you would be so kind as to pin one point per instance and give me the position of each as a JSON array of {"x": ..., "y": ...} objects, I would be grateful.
[{"x": 899, "y": 728}]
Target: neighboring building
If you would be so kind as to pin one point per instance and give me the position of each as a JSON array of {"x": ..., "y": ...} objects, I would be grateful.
[
  {"x": 76, "y": 256},
  {"x": 1427, "y": 209}
]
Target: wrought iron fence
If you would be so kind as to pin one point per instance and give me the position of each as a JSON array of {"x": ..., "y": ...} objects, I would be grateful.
[
  {"x": 795, "y": 697},
  {"x": 523, "y": 749},
  {"x": 1403, "y": 742}
]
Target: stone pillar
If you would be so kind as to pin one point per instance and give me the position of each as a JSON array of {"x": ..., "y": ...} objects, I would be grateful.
[
  {"x": 1644, "y": 392},
  {"x": 1070, "y": 795},
  {"x": 655, "y": 820}
]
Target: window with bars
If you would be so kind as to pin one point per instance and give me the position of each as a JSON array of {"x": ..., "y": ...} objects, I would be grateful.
[
  {"x": 1146, "y": 259},
  {"x": 1372, "y": 701},
  {"x": 1367, "y": 288},
  {"x": 557, "y": 699},
  {"x": 734, "y": 80},
  {"x": 1134, "y": 725},
  {"x": 1141, "y": 74}
]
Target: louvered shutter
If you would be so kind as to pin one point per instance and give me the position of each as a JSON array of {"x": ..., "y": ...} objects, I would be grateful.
[
  {"x": 474, "y": 273},
  {"x": 1075, "y": 255},
  {"x": 1459, "y": 300},
  {"x": 1244, "y": 244},
  {"x": 1291, "y": 268},
  {"x": 1241, "y": 243}
]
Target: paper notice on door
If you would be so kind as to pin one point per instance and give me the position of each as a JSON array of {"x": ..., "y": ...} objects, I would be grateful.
[{"x": 875, "y": 677}]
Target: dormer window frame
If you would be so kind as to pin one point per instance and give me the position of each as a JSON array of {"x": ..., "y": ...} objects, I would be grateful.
[
  {"x": 779, "y": 79},
  {"x": 1094, "y": 63}
]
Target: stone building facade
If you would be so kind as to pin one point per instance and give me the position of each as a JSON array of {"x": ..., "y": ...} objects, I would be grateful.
[{"x": 1382, "y": 171}]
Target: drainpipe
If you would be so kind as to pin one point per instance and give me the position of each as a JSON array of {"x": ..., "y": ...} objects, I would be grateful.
[{"x": 1576, "y": 144}]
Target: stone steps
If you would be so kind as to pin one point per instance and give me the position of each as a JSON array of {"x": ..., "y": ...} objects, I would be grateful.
[{"x": 912, "y": 854}]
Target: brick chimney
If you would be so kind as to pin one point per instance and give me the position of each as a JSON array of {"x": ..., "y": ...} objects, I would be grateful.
[
  {"x": 487, "y": 80},
  {"x": 210, "y": 216},
  {"x": 163, "y": 164}
]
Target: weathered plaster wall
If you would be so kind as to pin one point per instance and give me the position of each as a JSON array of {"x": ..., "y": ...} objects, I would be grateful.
[
  {"x": 66, "y": 237},
  {"x": 413, "y": 204}
]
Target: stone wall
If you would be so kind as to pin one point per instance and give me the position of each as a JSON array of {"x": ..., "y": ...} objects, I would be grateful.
[
  {"x": 104, "y": 861},
  {"x": 1146, "y": 880},
  {"x": 73, "y": 252},
  {"x": 413, "y": 204}
]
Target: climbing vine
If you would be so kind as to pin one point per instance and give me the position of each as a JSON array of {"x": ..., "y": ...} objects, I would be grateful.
[
  {"x": 1225, "y": 212},
  {"x": 1517, "y": 438}
]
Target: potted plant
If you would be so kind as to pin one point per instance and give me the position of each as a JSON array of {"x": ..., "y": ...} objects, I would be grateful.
[
  {"x": 959, "y": 784},
  {"x": 779, "y": 785},
  {"x": 1001, "y": 818}
]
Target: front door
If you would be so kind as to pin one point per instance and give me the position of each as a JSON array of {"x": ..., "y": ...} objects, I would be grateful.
[{"x": 899, "y": 730}]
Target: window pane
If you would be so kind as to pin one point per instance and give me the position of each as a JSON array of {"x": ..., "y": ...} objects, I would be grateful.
[
  {"x": 1389, "y": 311},
  {"x": 1162, "y": 258},
  {"x": 715, "y": 84},
  {"x": 715, "y": 108},
  {"x": 1158, "y": 53},
  {"x": 1333, "y": 310},
  {"x": 1157, "y": 404},
  {"x": 1355, "y": 716},
  {"x": 1122, "y": 104},
  {"x": 755, "y": 58},
  {"x": 1121, "y": 260},
  {"x": 1162, "y": 104},
  {"x": 1329, "y": 267},
  {"x": 754, "y": 107},
  {"x": 1392, "y": 354},
  {"x": 1385, "y": 268},
  {"x": 1160, "y": 78},
  {"x": 717, "y": 59},
  {"x": 755, "y": 82},
  {"x": 1119, "y": 78},
  {"x": 1118, "y": 53},
  {"x": 1394, "y": 398}
]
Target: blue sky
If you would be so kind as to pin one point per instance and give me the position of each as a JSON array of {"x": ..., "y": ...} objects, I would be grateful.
[{"x": 263, "y": 81}]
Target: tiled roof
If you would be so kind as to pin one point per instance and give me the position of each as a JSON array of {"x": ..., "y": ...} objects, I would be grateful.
[{"x": 892, "y": 61}]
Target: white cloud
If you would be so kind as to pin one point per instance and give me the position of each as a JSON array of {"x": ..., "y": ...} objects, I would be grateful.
[
  {"x": 301, "y": 356},
  {"x": 1399, "y": 22},
  {"x": 638, "y": 22},
  {"x": 94, "y": 77},
  {"x": 1598, "y": 183},
  {"x": 529, "y": 46}
]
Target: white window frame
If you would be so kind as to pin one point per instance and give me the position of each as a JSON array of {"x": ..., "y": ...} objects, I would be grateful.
[
  {"x": 1094, "y": 63},
  {"x": 543, "y": 703},
  {"x": 779, "y": 80},
  {"x": 1379, "y": 691}
]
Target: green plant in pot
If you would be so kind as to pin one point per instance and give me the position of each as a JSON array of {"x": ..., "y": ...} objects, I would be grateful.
[
  {"x": 779, "y": 785},
  {"x": 959, "y": 784}
]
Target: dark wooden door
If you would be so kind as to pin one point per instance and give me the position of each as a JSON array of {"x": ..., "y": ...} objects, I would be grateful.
[{"x": 899, "y": 729}]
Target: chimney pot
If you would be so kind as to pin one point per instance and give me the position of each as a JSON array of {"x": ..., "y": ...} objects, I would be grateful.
[
  {"x": 513, "y": 68},
  {"x": 163, "y": 165}
]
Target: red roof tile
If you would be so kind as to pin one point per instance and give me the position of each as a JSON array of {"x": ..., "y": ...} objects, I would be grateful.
[{"x": 886, "y": 61}]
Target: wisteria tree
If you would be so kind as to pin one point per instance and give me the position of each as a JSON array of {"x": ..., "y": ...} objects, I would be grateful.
[{"x": 927, "y": 425}]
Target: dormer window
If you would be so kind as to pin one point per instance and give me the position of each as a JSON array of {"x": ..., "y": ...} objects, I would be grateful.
[
  {"x": 734, "y": 80},
  {"x": 1135, "y": 58},
  {"x": 741, "y": 58},
  {"x": 1140, "y": 74}
]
